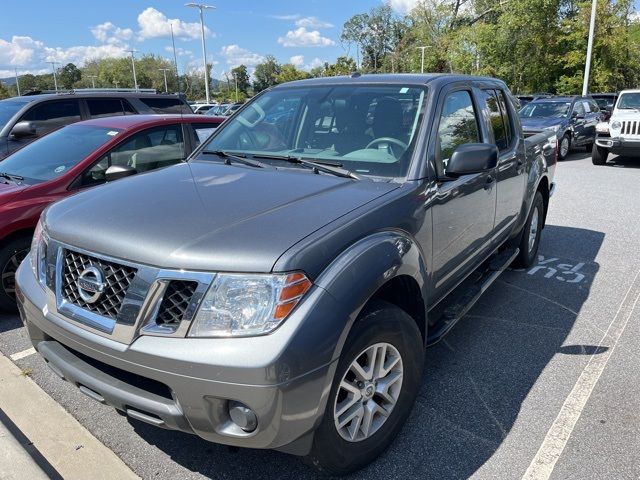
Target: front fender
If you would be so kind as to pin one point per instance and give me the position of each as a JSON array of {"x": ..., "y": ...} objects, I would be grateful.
[{"x": 360, "y": 270}]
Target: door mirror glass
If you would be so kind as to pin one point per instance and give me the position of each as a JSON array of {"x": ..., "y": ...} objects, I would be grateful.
[
  {"x": 115, "y": 172},
  {"x": 472, "y": 158},
  {"x": 23, "y": 129}
]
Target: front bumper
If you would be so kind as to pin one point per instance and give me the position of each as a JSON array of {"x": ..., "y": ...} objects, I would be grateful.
[
  {"x": 619, "y": 145},
  {"x": 186, "y": 383}
]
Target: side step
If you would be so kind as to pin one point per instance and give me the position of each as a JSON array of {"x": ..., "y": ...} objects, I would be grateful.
[{"x": 467, "y": 294}]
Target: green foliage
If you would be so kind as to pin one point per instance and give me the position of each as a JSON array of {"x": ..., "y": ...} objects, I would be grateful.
[
  {"x": 266, "y": 74},
  {"x": 289, "y": 73},
  {"x": 4, "y": 91},
  {"x": 68, "y": 76},
  {"x": 241, "y": 76}
]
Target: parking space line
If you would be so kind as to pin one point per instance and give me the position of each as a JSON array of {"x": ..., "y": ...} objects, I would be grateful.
[
  {"x": 558, "y": 435},
  {"x": 22, "y": 354}
]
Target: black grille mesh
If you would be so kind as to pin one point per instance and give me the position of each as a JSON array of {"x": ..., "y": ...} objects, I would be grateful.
[
  {"x": 175, "y": 302},
  {"x": 117, "y": 279}
]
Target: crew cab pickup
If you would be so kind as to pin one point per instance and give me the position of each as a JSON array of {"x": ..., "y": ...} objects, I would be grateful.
[
  {"x": 278, "y": 290},
  {"x": 621, "y": 134}
]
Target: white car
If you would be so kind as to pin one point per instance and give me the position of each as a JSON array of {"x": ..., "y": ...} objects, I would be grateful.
[
  {"x": 621, "y": 134},
  {"x": 202, "y": 108}
]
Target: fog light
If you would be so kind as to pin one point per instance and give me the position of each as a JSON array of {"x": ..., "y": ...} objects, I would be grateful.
[{"x": 243, "y": 416}]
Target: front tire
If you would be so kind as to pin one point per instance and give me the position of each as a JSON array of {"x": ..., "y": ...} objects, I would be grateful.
[
  {"x": 599, "y": 155},
  {"x": 564, "y": 146},
  {"x": 11, "y": 254},
  {"x": 530, "y": 236},
  {"x": 370, "y": 398}
]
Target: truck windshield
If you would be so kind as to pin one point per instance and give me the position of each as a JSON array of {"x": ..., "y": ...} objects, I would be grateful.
[
  {"x": 545, "y": 109},
  {"x": 367, "y": 129},
  {"x": 629, "y": 101},
  {"x": 54, "y": 154}
]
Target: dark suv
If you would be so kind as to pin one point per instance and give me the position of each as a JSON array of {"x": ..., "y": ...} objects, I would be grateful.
[{"x": 24, "y": 119}]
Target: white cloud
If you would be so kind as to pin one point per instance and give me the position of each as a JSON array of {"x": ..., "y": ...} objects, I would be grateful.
[
  {"x": 301, "y": 37},
  {"x": 180, "y": 52},
  {"x": 293, "y": 16},
  {"x": 155, "y": 24},
  {"x": 312, "y": 22},
  {"x": 107, "y": 32},
  {"x": 236, "y": 55},
  {"x": 316, "y": 62},
  {"x": 403, "y": 6},
  {"x": 297, "y": 60}
]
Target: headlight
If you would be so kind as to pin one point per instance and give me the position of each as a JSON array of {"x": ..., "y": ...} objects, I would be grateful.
[
  {"x": 38, "y": 254},
  {"x": 247, "y": 305},
  {"x": 554, "y": 128},
  {"x": 602, "y": 127},
  {"x": 616, "y": 125}
]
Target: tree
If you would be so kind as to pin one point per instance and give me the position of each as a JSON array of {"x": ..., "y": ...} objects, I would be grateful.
[
  {"x": 343, "y": 66},
  {"x": 241, "y": 77},
  {"x": 289, "y": 73},
  {"x": 4, "y": 92},
  {"x": 69, "y": 75},
  {"x": 266, "y": 73}
]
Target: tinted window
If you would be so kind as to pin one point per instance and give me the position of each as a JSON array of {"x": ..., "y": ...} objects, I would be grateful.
[
  {"x": 8, "y": 108},
  {"x": 506, "y": 115},
  {"x": 165, "y": 105},
  {"x": 578, "y": 108},
  {"x": 105, "y": 107},
  {"x": 594, "y": 106},
  {"x": 458, "y": 125},
  {"x": 54, "y": 154},
  {"x": 47, "y": 116},
  {"x": 497, "y": 119},
  {"x": 128, "y": 109},
  {"x": 370, "y": 129},
  {"x": 144, "y": 151}
]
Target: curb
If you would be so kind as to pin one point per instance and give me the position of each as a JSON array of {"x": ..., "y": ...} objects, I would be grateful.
[{"x": 39, "y": 439}]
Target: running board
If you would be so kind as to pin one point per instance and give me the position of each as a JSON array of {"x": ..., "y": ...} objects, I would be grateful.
[{"x": 465, "y": 297}]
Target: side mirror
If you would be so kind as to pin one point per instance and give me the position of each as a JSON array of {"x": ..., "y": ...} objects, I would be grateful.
[
  {"x": 23, "y": 129},
  {"x": 472, "y": 158},
  {"x": 115, "y": 172}
]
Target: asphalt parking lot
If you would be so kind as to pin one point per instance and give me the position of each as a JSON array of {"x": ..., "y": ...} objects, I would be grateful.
[{"x": 541, "y": 376}]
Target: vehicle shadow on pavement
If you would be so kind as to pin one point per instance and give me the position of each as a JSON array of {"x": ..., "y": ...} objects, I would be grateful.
[
  {"x": 624, "y": 162},
  {"x": 9, "y": 322},
  {"x": 474, "y": 383}
]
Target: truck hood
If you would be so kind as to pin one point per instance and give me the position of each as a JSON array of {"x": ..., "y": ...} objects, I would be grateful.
[
  {"x": 621, "y": 115},
  {"x": 536, "y": 123},
  {"x": 207, "y": 216}
]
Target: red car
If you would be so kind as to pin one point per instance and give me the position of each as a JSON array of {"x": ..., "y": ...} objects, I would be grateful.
[{"x": 79, "y": 156}]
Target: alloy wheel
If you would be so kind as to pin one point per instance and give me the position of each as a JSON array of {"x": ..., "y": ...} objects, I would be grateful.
[
  {"x": 8, "y": 277},
  {"x": 533, "y": 229},
  {"x": 368, "y": 392}
]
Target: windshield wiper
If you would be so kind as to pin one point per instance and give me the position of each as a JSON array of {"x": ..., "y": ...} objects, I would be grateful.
[
  {"x": 316, "y": 166},
  {"x": 10, "y": 176},
  {"x": 236, "y": 158}
]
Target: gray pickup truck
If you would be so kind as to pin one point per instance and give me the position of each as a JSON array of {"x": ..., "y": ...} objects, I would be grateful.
[{"x": 278, "y": 289}]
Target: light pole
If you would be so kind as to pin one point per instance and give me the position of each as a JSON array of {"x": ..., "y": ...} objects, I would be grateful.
[
  {"x": 592, "y": 27},
  {"x": 133, "y": 64},
  {"x": 175, "y": 57},
  {"x": 235, "y": 77},
  {"x": 17, "y": 82},
  {"x": 93, "y": 80},
  {"x": 55, "y": 80},
  {"x": 203, "y": 7},
  {"x": 164, "y": 71},
  {"x": 423, "y": 48}
]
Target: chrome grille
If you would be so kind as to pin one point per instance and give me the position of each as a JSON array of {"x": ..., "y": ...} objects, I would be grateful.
[
  {"x": 117, "y": 279},
  {"x": 631, "y": 128},
  {"x": 175, "y": 302}
]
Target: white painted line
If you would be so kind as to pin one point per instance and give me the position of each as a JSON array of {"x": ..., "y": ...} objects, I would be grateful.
[
  {"x": 558, "y": 435},
  {"x": 22, "y": 354}
]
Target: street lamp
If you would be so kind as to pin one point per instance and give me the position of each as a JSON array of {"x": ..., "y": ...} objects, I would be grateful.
[
  {"x": 587, "y": 67},
  {"x": 93, "y": 80},
  {"x": 164, "y": 71},
  {"x": 17, "y": 81},
  {"x": 55, "y": 80},
  {"x": 202, "y": 7},
  {"x": 235, "y": 77},
  {"x": 133, "y": 64},
  {"x": 423, "y": 48}
]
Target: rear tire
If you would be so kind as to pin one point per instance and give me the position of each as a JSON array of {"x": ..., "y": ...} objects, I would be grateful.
[
  {"x": 599, "y": 155},
  {"x": 11, "y": 254},
  {"x": 589, "y": 147},
  {"x": 530, "y": 236},
  {"x": 339, "y": 450}
]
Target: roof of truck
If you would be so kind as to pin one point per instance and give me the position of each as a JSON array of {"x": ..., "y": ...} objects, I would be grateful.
[{"x": 387, "y": 78}]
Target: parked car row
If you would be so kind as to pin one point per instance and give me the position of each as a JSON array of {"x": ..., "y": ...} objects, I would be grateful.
[{"x": 278, "y": 289}]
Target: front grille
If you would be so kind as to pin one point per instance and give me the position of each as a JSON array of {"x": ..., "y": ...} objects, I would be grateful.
[
  {"x": 175, "y": 302},
  {"x": 631, "y": 128},
  {"x": 117, "y": 279}
]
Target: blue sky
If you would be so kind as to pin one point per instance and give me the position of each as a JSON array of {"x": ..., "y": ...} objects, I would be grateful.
[{"x": 303, "y": 32}]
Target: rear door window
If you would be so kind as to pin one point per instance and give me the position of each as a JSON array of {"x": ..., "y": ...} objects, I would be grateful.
[
  {"x": 165, "y": 105},
  {"x": 104, "y": 107},
  {"x": 497, "y": 119},
  {"x": 147, "y": 150},
  {"x": 48, "y": 116}
]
